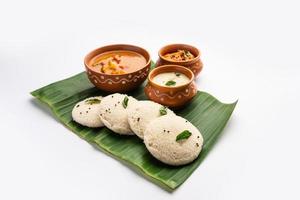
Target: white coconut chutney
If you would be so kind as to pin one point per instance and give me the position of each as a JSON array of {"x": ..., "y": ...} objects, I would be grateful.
[{"x": 171, "y": 79}]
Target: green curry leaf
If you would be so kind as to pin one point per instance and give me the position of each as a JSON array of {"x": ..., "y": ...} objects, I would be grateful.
[
  {"x": 163, "y": 110},
  {"x": 125, "y": 102},
  {"x": 92, "y": 101},
  {"x": 170, "y": 83},
  {"x": 183, "y": 135}
]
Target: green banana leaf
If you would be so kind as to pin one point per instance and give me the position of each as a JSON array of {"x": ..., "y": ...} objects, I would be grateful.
[{"x": 207, "y": 113}]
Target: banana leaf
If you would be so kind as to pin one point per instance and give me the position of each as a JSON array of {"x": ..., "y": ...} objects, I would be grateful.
[{"x": 207, "y": 113}]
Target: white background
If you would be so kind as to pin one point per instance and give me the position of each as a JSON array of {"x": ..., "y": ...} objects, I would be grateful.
[{"x": 250, "y": 50}]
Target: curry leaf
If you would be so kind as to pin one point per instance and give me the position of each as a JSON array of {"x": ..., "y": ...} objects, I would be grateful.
[
  {"x": 183, "y": 135},
  {"x": 125, "y": 102},
  {"x": 170, "y": 83},
  {"x": 163, "y": 110},
  {"x": 92, "y": 101}
]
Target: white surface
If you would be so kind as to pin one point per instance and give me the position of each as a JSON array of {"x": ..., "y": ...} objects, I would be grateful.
[{"x": 250, "y": 51}]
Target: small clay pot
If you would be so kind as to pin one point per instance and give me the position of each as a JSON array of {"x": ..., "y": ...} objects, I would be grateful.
[
  {"x": 174, "y": 97},
  {"x": 195, "y": 64},
  {"x": 117, "y": 83}
]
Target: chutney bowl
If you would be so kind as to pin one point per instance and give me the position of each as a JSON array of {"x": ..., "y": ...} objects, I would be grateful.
[
  {"x": 195, "y": 64},
  {"x": 174, "y": 97}
]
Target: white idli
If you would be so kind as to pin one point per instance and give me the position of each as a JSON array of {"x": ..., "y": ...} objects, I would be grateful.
[
  {"x": 161, "y": 135},
  {"x": 86, "y": 112},
  {"x": 142, "y": 113},
  {"x": 113, "y": 112}
]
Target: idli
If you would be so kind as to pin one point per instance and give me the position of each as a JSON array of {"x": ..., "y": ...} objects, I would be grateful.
[
  {"x": 173, "y": 140},
  {"x": 142, "y": 113},
  {"x": 86, "y": 112},
  {"x": 113, "y": 112}
]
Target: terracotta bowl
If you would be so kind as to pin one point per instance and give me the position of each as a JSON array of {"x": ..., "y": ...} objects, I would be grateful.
[
  {"x": 174, "y": 97},
  {"x": 195, "y": 64},
  {"x": 117, "y": 83}
]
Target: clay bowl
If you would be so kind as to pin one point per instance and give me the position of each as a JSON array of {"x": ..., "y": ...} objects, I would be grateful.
[
  {"x": 195, "y": 64},
  {"x": 117, "y": 83},
  {"x": 173, "y": 97}
]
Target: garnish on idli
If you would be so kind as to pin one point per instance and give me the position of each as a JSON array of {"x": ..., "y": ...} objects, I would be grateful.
[
  {"x": 173, "y": 140},
  {"x": 142, "y": 113},
  {"x": 86, "y": 112},
  {"x": 113, "y": 112}
]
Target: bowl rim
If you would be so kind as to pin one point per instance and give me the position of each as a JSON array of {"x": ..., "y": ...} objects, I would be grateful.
[
  {"x": 170, "y": 66},
  {"x": 116, "y": 45},
  {"x": 179, "y": 62}
]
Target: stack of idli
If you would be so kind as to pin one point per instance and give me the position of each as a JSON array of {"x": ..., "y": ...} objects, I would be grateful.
[{"x": 169, "y": 138}]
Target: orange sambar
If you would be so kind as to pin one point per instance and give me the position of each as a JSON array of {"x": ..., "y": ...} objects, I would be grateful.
[{"x": 118, "y": 62}]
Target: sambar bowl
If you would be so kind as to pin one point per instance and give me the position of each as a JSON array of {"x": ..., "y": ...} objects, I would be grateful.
[{"x": 117, "y": 82}]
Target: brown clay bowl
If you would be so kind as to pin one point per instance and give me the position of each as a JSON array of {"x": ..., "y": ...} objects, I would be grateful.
[
  {"x": 195, "y": 64},
  {"x": 174, "y": 97},
  {"x": 117, "y": 83}
]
